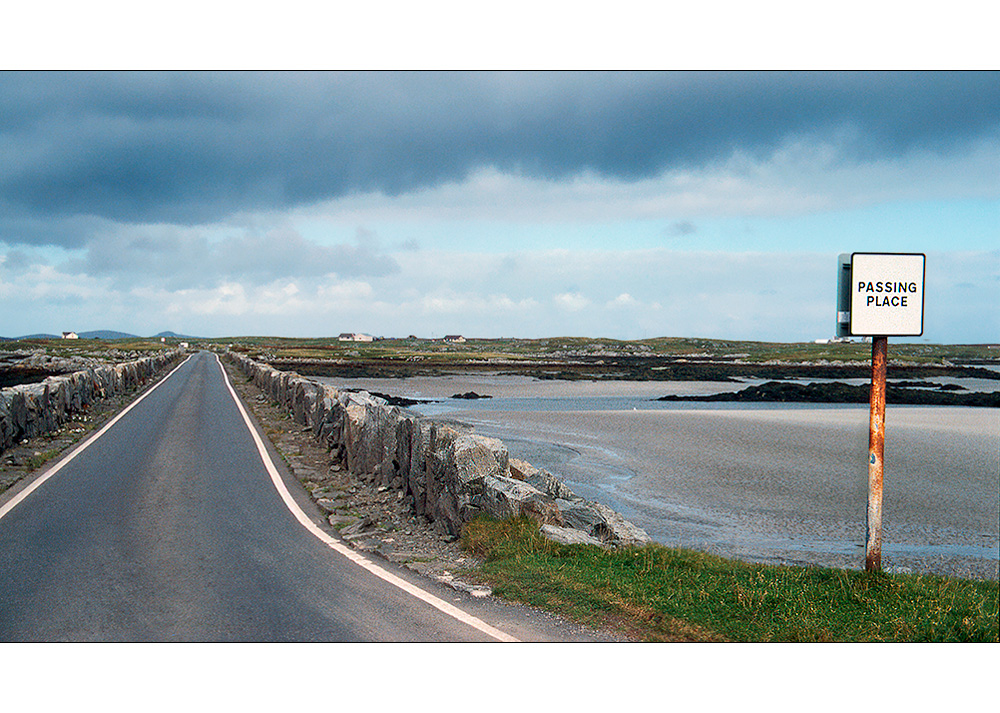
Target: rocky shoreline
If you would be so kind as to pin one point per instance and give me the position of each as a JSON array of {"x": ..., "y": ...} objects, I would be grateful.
[
  {"x": 28, "y": 410},
  {"x": 444, "y": 473},
  {"x": 354, "y": 476},
  {"x": 29, "y": 452},
  {"x": 626, "y": 368},
  {"x": 838, "y": 392},
  {"x": 371, "y": 518}
]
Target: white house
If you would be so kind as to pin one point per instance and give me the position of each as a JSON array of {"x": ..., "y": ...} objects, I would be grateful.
[
  {"x": 352, "y": 337},
  {"x": 70, "y": 335},
  {"x": 455, "y": 338}
]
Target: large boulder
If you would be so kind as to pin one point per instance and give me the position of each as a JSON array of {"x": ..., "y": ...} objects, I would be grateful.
[
  {"x": 370, "y": 433},
  {"x": 594, "y": 519},
  {"x": 18, "y": 412},
  {"x": 616, "y": 529},
  {"x": 472, "y": 461},
  {"x": 439, "y": 466},
  {"x": 540, "y": 479},
  {"x": 306, "y": 395},
  {"x": 506, "y": 497},
  {"x": 421, "y": 435},
  {"x": 578, "y": 514},
  {"x": 32, "y": 418},
  {"x": 601, "y": 522}
]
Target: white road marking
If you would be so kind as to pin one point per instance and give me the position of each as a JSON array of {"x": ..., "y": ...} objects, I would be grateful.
[
  {"x": 347, "y": 552},
  {"x": 13, "y": 502}
]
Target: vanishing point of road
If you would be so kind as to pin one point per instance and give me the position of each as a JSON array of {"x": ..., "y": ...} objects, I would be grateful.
[{"x": 177, "y": 522}]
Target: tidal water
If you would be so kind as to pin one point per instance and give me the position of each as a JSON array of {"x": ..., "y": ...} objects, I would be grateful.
[{"x": 783, "y": 483}]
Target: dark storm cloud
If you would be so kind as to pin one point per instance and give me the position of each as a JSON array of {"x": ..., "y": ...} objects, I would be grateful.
[
  {"x": 70, "y": 231},
  {"x": 196, "y": 147}
]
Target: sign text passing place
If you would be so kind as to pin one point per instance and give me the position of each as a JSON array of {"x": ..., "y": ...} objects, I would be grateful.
[{"x": 887, "y": 294}]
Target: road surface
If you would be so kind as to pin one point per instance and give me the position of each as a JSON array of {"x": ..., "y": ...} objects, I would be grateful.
[{"x": 171, "y": 525}]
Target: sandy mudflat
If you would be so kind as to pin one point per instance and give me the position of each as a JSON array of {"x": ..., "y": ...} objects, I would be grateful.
[
  {"x": 784, "y": 483},
  {"x": 526, "y": 387}
]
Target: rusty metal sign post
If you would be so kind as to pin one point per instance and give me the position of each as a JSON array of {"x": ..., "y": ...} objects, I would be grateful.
[
  {"x": 876, "y": 451},
  {"x": 879, "y": 295}
]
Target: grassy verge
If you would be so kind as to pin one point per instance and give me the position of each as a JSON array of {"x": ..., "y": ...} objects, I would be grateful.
[{"x": 656, "y": 593}]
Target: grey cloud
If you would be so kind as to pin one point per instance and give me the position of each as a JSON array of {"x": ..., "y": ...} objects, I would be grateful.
[
  {"x": 183, "y": 258},
  {"x": 195, "y": 147},
  {"x": 284, "y": 252},
  {"x": 15, "y": 261},
  {"x": 681, "y": 228}
]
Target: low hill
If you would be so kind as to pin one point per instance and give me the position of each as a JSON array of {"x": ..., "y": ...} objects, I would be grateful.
[
  {"x": 100, "y": 334},
  {"x": 172, "y": 335},
  {"x": 106, "y": 334}
]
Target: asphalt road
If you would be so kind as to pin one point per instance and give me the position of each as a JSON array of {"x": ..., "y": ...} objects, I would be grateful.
[{"x": 168, "y": 526}]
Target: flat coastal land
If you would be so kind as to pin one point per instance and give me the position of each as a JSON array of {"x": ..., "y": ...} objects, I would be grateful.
[
  {"x": 748, "y": 450},
  {"x": 773, "y": 480}
]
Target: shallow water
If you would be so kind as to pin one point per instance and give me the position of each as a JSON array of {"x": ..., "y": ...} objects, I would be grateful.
[{"x": 769, "y": 482}]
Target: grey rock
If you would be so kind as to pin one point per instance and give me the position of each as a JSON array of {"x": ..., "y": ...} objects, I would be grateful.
[
  {"x": 616, "y": 529},
  {"x": 540, "y": 479},
  {"x": 342, "y": 520},
  {"x": 601, "y": 522},
  {"x": 362, "y": 528},
  {"x": 507, "y": 497},
  {"x": 579, "y": 514},
  {"x": 568, "y": 536},
  {"x": 331, "y": 505}
]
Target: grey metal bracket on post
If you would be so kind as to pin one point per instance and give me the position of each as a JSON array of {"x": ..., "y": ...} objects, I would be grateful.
[{"x": 843, "y": 295}]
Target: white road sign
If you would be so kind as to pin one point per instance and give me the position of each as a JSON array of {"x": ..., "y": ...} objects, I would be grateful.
[{"x": 887, "y": 294}]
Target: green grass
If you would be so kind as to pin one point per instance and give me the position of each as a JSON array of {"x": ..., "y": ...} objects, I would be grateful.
[
  {"x": 35, "y": 461},
  {"x": 512, "y": 348},
  {"x": 656, "y": 593},
  {"x": 474, "y": 350}
]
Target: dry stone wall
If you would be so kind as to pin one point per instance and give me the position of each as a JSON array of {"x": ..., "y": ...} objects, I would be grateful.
[
  {"x": 30, "y": 410},
  {"x": 447, "y": 475}
]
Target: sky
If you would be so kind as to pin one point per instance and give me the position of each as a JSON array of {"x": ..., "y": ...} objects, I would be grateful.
[{"x": 621, "y": 204}]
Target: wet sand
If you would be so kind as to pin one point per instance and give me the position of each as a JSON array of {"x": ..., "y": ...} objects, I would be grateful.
[{"x": 770, "y": 482}]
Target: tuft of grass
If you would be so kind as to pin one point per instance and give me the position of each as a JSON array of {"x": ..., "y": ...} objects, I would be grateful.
[
  {"x": 37, "y": 460},
  {"x": 656, "y": 593}
]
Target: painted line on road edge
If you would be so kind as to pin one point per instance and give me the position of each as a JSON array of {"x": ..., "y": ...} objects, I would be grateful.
[
  {"x": 346, "y": 551},
  {"x": 10, "y": 505}
]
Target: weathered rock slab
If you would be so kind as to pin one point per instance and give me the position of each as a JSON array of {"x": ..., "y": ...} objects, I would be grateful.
[{"x": 569, "y": 536}]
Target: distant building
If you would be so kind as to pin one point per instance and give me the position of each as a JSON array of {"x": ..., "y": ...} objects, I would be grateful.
[
  {"x": 69, "y": 335},
  {"x": 456, "y": 338},
  {"x": 352, "y": 337}
]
